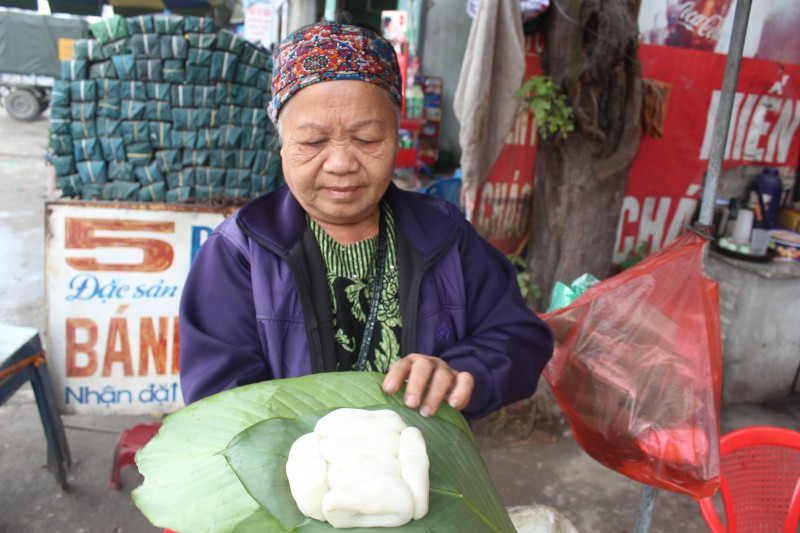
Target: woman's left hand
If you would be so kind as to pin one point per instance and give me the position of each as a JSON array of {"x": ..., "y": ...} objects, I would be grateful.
[{"x": 430, "y": 381}]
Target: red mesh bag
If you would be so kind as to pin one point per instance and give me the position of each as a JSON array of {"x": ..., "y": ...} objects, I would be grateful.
[{"x": 637, "y": 370}]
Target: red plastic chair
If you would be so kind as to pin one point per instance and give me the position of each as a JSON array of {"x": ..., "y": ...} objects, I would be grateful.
[
  {"x": 759, "y": 481},
  {"x": 128, "y": 443}
]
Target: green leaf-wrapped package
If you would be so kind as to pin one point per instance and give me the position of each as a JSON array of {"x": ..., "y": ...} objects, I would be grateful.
[
  {"x": 179, "y": 194},
  {"x": 60, "y": 126},
  {"x": 253, "y": 117},
  {"x": 70, "y": 185},
  {"x": 235, "y": 193},
  {"x": 222, "y": 158},
  {"x": 249, "y": 97},
  {"x": 253, "y": 138},
  {"x": 181, "y": 178},
  {"x": 206, "y": 138},
  {"x": 124, "y": 66},
  {"x": 88, "y": 49},
  {"x": 120, "y": 46},
  {"x": 254, "y": 57},
  {"x": 107, "y": 89},
  {"x": 64, "y": 165},
  {"x": 61, "y": 144},
  {"x": 146, "y": 46},
  {"x": 108, "y": 108},
  {"x": 185, "y": 118},
  {"x": 185, "y": 139},
  {"x": 82, "y": 129},
  {"x": 61, "y": 112},
  {"x": 238, "y": 178},
  {"x": 120, "y": 171},
  {"x": 113, "y": 148},
  {"x": 92, "y": 171},
  {"x": 83, "y": 110},
  {"x": 149, "y": 69},
  {"x": 182, "y": 95},
  {"x": 262, "y": 184},
  {"x": 148, "y": 174},
  {"x": 82, "y": 91},
  {"x": 121, "y": 191},
  {"x": 61, "y": 94},
  {"x": 228, "y": 41},
  {"x": 245, "y": 159},
  {"x": 85, "y": 149},
  {"x": 158, "y": 90},
  {"x": 140, "y": 24},
  {"x": 199, "y": 56},
  {"x": 195, "y": 158},
  {"x": 157, "y": 110},
  {"x": 173, "y": 46},
  {"x": 109, "y": 29},
  {"x": 199, "y": 25},
  {"x": 229, "y": 136},
  {"x": 226, "y": 93},
  {"x": 209, "y": 176},
  {"x": 139, "y": 154},
  {"x": 169, "y": 160},
  {"x": 202, "y": 40},
  {"x": 247, "y": 75},
  {"x": 132, "y": 109},
  {"x": 92, "y": 191},
  {"x": 76, "y": 69},
  {"x": 209, "y": 193},
  {"x": 198, "y": 74},
  {"x": 229, "y": 115},
  {"x": 161, "y": 135},
  {"x": 107, "y": 126},
  {"x": 220, "y": 463},
  {"x": 132, "y": 90},
  {"x": 223, "y": 66},
  {"x": 104, "y": 69},
  {"x": 204, "y": 96},
  {"x": 155, "y": 192},
  {"x": 174, "y": 70},
  {"x": 168, "y": 24}
]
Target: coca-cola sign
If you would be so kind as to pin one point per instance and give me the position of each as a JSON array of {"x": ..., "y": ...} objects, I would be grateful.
[{"x": 706, "y": 25}]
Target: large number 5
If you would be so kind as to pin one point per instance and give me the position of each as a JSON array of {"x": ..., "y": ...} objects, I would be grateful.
[{"x": 80, "y": 234}]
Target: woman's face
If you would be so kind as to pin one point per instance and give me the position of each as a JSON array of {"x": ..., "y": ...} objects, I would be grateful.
[{"x": 339, "y": 147}]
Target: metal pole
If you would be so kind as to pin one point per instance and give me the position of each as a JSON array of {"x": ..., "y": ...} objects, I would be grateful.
[
  {"x": 723, "y": 119},
  {"x": 646, "y": 510}
]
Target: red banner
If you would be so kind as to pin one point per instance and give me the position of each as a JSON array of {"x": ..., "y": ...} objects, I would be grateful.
[{"x": 502, "y": 212}]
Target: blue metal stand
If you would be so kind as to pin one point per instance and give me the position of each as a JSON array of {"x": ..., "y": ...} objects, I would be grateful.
[{"x": 22, "y": 360}]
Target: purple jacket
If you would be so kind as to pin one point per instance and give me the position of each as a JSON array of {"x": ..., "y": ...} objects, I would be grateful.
[{"x": 257, "y": 298}]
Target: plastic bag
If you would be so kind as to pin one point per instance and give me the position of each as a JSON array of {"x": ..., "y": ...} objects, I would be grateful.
[{"x": 637, "y": 370}]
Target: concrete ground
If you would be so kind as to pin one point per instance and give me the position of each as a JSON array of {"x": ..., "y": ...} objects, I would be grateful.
[{"x": 542, "y": 466}]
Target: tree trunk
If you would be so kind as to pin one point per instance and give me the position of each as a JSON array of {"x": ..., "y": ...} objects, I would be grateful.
[{"x": 591, "y": 51}]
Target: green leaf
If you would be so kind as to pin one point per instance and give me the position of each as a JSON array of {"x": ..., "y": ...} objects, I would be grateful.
[{"x": 219, "y": 464}]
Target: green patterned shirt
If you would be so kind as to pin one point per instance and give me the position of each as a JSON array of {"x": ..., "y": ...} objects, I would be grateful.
[{"x": 351, "y": 277}]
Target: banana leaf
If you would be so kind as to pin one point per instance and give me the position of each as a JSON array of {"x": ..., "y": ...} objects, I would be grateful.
[
  {"x": 220, "y": 463},
  {"x": 107, "y": 89},
  {"x": 61, "y": 94},
  {"x": 140, "y": 24}
]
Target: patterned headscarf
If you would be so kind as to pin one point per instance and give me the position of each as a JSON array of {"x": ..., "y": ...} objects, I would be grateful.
[{"x": 328, "y": 51}]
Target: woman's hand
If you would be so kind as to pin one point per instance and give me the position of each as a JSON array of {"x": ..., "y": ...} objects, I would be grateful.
[{"x": 430, "y": 380}]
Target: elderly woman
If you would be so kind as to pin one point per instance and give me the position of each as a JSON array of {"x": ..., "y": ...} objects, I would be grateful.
[{"x": 340, "y": 270}]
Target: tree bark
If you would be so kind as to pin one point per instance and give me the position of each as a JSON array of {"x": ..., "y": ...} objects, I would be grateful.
[{"x": 591, "y": 51}]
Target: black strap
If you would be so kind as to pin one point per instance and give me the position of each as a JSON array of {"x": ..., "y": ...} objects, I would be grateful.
[{"x": 372, "y": 317}]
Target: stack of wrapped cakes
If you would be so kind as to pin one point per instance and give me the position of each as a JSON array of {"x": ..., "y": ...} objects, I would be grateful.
[{"x": 164, "y": 108}]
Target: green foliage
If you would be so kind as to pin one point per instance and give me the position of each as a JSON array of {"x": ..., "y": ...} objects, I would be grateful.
[
  {"x": 528, "y": 289},
  {"x": 545, "y": 100}
]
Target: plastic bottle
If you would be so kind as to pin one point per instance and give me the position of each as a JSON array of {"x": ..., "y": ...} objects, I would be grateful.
[{"x": 415, "y": 99}]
